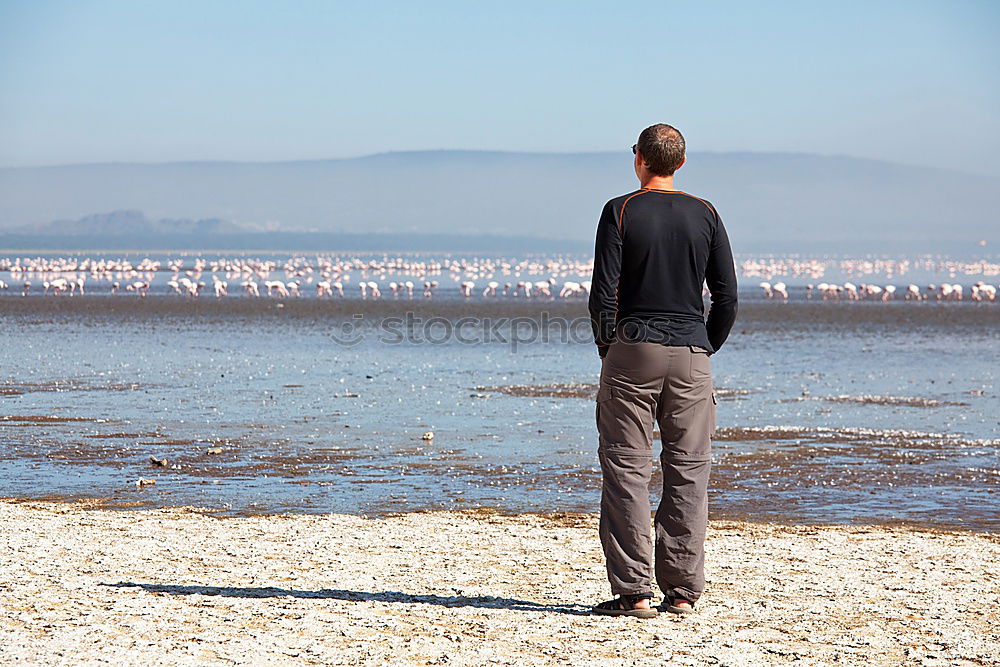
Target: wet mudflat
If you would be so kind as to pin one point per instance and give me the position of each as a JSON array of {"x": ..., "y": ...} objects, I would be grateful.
[{"x": 827, "y": 412}]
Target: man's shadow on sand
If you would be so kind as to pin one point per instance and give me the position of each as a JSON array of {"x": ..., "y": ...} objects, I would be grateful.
[{"x": 480, "y": 601}]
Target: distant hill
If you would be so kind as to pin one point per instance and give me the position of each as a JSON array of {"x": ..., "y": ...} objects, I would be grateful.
[
  {"x": 130, "y": 223},
  {"x": 770, "y": 202},
  {"x": 131, "y": 230}
]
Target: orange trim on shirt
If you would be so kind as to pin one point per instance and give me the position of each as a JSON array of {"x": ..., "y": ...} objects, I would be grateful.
[
  {"x": 621, "y": 234},
  {"x": 621, "y": 214}
]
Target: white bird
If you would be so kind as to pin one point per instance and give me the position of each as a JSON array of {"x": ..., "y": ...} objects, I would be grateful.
[
  {"x": 276, "y": 286},
  {"x": 139, "y": 287},
  {"x": 220, "y": 287},
  {"x": 569, "y": 288},
  {"x": 544, "y": 287}
]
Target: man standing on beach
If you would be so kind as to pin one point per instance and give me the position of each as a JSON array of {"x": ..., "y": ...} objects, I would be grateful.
[{"x": 656, "y": 248}]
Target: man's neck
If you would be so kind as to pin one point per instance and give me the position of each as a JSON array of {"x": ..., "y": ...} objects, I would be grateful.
[{"x": 654, "y": 182}]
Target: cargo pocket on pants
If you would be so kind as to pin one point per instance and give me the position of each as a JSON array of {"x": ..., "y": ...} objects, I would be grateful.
[
  {"x": 608, "y": 427},
  {"x": 604, "y": 394}
]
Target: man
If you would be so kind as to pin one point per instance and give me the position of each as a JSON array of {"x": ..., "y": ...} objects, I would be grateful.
[{"x": 656, "y": 247}]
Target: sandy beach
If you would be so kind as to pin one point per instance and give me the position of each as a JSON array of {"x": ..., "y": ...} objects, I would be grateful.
[{"x": 84, "y": 585}]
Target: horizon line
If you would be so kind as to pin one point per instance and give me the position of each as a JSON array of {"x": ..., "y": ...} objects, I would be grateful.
[{"x": 117, "y": 163}]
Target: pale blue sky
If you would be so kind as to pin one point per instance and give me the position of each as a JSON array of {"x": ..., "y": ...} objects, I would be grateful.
[{"x": 125, "y": 80}]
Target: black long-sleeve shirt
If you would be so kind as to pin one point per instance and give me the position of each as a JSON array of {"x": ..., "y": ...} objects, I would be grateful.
[{"x": 655, "y": 250}]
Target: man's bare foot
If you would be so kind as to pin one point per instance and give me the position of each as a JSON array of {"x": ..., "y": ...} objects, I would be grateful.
[
  {"x": 678, "y": 605},
  {"x": 627, "y": 605}
]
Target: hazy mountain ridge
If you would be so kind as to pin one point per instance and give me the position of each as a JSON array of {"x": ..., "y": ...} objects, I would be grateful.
[
  {"x": 768, "y": 200},
  {"x": 131, "y": 223}
]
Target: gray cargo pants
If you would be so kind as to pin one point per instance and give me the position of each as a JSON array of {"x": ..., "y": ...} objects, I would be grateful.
[{"x": 643, "y": 383}]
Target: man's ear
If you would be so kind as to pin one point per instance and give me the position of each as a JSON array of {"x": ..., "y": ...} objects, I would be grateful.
[{"x": 685, "y": 159}]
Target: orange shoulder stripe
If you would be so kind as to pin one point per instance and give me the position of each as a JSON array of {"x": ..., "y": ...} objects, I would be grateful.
[{"x": 621, "y": 214}]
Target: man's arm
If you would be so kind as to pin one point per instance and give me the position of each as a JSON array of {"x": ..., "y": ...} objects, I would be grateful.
[
  {"x": 721, "y": 278},
  {"x": 604, "y": 284}
]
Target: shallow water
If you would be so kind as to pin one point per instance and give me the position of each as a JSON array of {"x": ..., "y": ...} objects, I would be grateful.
[{"x": 828, "y": 412}]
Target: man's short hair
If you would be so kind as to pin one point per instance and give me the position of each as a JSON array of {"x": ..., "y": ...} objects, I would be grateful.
[{"x": 662, "y": 148}]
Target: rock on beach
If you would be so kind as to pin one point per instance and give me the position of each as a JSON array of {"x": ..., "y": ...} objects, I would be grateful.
[{"x": 84, "y": 584}]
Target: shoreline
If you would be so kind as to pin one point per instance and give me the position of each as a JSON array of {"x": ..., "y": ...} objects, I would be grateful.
[
  {"x": 570, "y": 518},
  {"x": 185, "y": 586}
]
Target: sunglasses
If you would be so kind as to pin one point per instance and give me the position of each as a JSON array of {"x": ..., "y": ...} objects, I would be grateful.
[{"x": 633, "y": 148}]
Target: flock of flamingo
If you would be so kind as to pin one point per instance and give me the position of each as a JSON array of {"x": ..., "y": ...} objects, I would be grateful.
[
  {"x": 375, "y": 278},
  {"x": 816, "y": 268},
  {"x": 329, "y": 277},
  {"x": 848, "y": 291}
]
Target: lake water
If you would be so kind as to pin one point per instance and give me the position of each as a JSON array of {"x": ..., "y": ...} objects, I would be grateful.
[{"x": 829, "y": 412}]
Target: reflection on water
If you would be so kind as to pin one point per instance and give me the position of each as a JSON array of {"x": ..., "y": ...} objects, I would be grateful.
[{"x": 828, "y": 412}]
